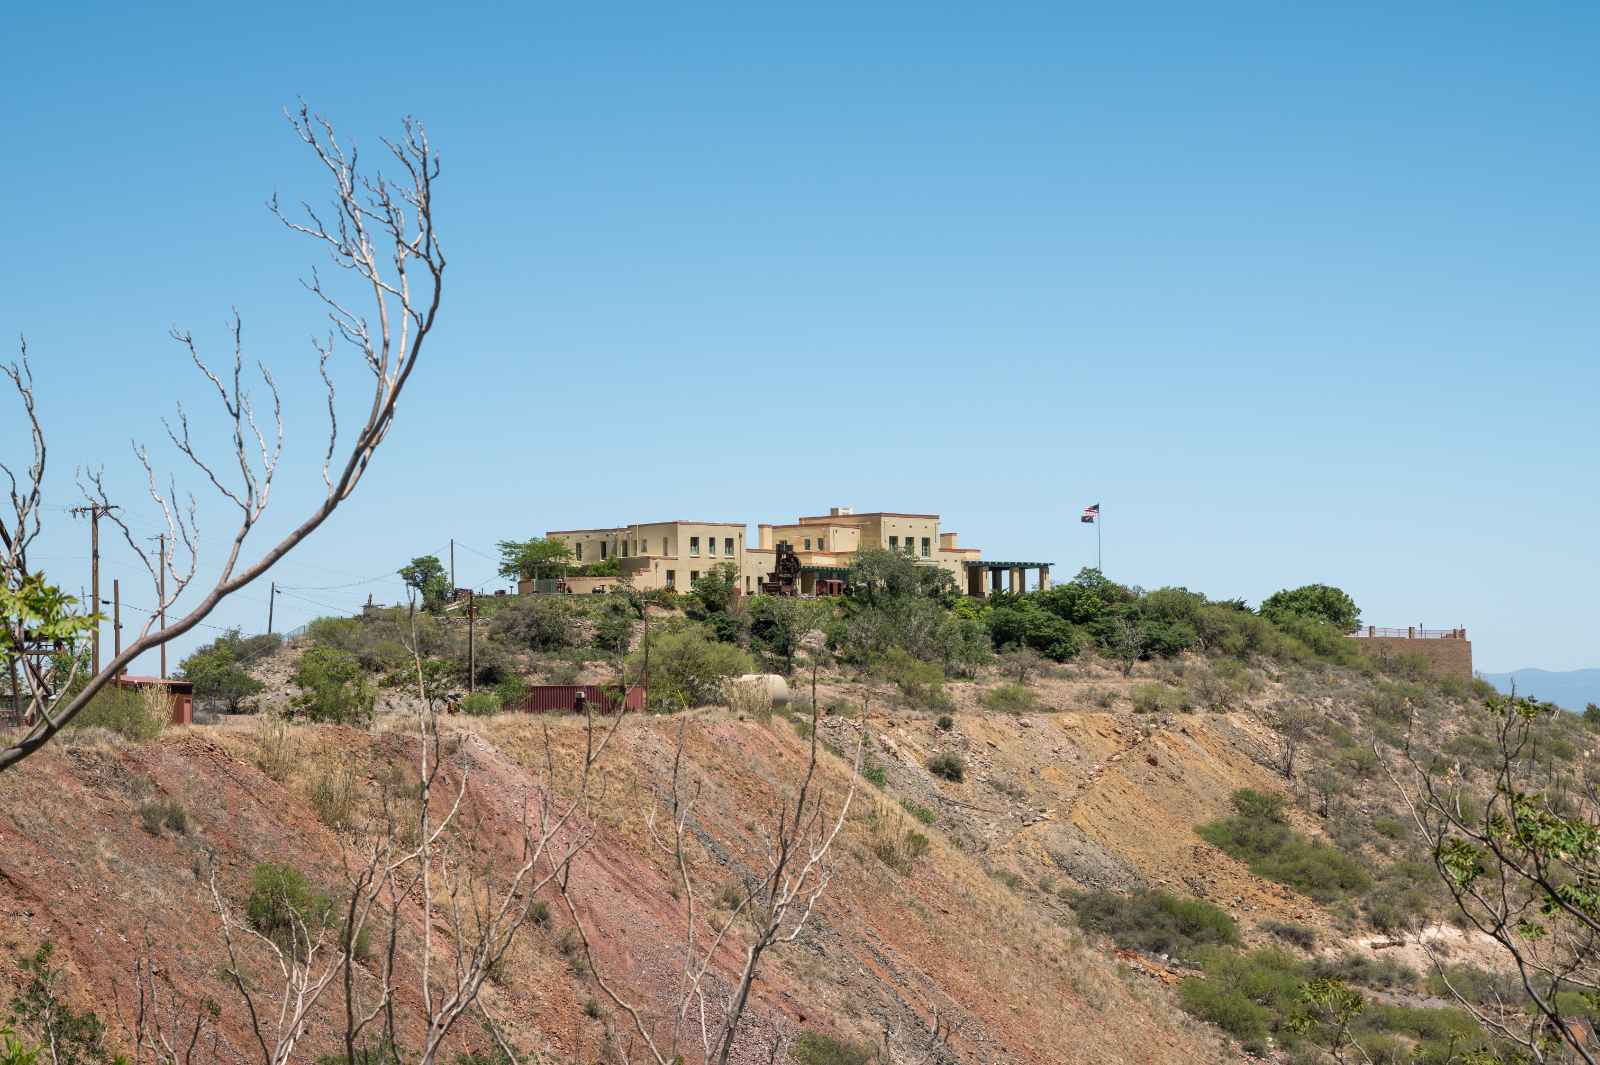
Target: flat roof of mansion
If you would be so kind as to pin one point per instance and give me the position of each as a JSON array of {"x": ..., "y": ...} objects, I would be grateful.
[
  {"x": 636, "y": 524},
  {"x": 864, "y": 514}
]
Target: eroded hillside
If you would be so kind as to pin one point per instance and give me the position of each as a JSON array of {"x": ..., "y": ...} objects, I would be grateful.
[
  {"x": 885, "y": 950},
  {"x": 990, "y": 818}
]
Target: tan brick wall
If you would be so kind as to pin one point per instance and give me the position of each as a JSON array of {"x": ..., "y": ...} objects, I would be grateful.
[{"x": 1444, "y": 657}]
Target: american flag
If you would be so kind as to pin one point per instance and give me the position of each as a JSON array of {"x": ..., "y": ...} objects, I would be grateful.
[{"x": 1090, "y": 513}]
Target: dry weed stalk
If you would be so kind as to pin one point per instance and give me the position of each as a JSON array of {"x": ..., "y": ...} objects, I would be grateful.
[
  {"x": 403, "y": 876},
  {"x": 777, "y": 906}
]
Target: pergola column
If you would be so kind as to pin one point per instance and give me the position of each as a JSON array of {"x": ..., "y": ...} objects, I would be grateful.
[
  {"x": 1019, "y": 580},
  {"x": 997, "y": 581},
  {"x": 975, "y": 581},
  {"x": 1044, "y": 578}
]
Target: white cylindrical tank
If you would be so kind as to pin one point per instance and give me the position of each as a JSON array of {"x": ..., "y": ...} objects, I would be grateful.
[{"x": 775, "y": 686}]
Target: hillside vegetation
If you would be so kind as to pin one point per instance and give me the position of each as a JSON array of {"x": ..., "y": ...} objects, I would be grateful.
[{"x": 1093, "y": 824}]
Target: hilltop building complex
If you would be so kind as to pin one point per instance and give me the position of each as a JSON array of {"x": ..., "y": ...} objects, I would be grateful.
[{"x": 674, "y": 554}]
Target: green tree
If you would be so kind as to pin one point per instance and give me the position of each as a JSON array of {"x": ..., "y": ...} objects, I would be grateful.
[
  {"x": 426, "y": 576},
  {"x": 686, "y": 669},
  {"x": 779, "y": 623},
  {"x": 535, "y": 559},
  {"x": 613, "y": 629},
  {"x": 1591, "y": 715},
  {"x": 1520, "y": 866},
  {"x": 877, "y": 575},
  {"x": 333, "y": 687},
  {"x": 219, "y": 670},
  {"x": 29, "y": 604},
  {"x": 717, "y": 588},
  {"x": 962, "y": 645},
  {"x": 1320, "y": 602},
  {"x": 1020, "y": 622}
]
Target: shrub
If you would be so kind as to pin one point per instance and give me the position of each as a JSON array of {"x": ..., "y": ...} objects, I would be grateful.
[
  {"x": 164, "y": 813},
  {"x": 950, "y": 766},
  {"x": 534, "y": 623},
  {"x": 286, "y": 908},
  {"x": 1259, "y": 835},
  {"x": 920, "y": 812},
  {"x": 1384, "y": 973},
  {"x": 686, "y": 669},
  {"x": 1298, "y": 935},
  {"x": 379, "y": 639},
  {"x": 481, "y": 704},
  {"x": 512, "y": 690},
  {"x": 134, "y": 714},
  {"x": 1247, "y": 995},
  {"x": 1228, "y": 1008},
  {"x": 613, "y": 632},
  {"x": 922, "y": 683},
  {"x": 333, "y": 687},
  {"x": 1158, "y": 698},
  {"x": 1010, "y": 699},
  {"x": 1022, "y": 622},
  {"x": 898, "y": 847},
  {"x": 1154, "y": 921},
  {"x": 945, "y": 723},
  {"x": 1217, "y": 688},
  {"x": 816, "y": 1048}
]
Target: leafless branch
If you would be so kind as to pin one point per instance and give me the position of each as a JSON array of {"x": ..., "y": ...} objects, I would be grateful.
[{"x": 383, "y": 234}]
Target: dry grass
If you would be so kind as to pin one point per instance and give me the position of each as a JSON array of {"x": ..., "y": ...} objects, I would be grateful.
[
  {"x": 331, "y": 789},
  {"x": 748, "y": 698},
  {"x": 277, "y": 747}
]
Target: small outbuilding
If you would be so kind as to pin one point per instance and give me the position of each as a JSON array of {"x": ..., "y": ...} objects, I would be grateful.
[{"x": 180, "y": 694}]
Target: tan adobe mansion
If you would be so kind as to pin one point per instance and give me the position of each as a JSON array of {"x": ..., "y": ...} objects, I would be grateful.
[{"x": 674, "y": 554}]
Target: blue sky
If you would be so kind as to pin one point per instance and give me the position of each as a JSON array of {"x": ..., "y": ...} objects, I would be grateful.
[{"x": 1295, "y": 294}]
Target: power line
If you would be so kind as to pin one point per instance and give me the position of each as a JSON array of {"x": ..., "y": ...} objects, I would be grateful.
[
  {"x": 475, "y": 551},
  {"x": 307, "y": 599},
  {"x": 337, "y": 587}
]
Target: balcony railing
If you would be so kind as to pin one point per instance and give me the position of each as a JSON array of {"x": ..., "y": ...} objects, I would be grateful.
[{"x": 1368, "y": 631}]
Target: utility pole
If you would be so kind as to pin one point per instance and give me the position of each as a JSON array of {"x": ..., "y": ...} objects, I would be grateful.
[
  {"x": 472, "y": 647},
  {"x": 272, "y": 598},
  {"x": 94, "y": 510},
  {"x": 161, "y": 595},
  {"x": 116, "y": 618},
  {"x": 452, "y": 567}
]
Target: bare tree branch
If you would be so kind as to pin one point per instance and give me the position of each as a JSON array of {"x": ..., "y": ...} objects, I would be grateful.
[{"x": 371, "y": 214}]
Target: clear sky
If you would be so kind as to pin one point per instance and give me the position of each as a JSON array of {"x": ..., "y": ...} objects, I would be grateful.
[{"x": 1297, "y": 294}]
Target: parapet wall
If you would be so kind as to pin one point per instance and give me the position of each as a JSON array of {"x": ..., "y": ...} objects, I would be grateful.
[{"x": 1451, "y": 656}]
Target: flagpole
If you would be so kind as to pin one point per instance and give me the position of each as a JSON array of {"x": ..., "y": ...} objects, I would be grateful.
[{"x": 1099, "y": 561}]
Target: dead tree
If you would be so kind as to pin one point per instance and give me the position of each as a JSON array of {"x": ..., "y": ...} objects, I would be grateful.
[
  {"x": 415, "y": 876},
  {"x": 777, "y": 905},
  {"x": 379, "y": 230},
  {"x": 1293, "y": 725}
]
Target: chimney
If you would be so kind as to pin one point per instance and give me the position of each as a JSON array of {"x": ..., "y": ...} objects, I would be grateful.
[{"x": 764, "y": 536}]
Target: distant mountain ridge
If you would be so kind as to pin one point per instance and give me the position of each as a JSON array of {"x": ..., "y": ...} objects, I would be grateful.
[{"x": 1573, "y": 689}]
